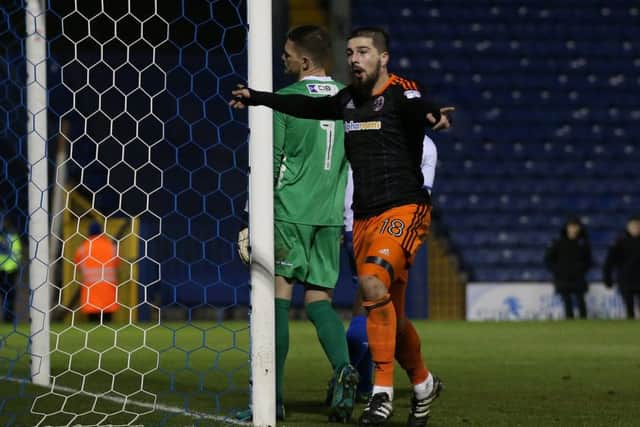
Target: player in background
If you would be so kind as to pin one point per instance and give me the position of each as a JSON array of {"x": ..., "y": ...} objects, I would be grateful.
[
  {"x": 97, "y": 260},
  {"x": 310, "y": 174},
  {"x": 385, "y": 116},
  {"x": 357, "y": 331}
]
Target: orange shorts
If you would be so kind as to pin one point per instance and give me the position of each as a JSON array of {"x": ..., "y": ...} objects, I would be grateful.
[{"x": 385, "y": 245}]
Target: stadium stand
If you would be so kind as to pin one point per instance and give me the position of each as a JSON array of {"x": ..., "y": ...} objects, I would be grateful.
[{"x": 547, "y": 120}]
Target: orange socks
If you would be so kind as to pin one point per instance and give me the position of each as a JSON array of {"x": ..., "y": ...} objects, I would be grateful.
[
  {"x": 381, "y": 330},
  {"x": 409, "y": 355},
  {"x": 385, "y": 345}
]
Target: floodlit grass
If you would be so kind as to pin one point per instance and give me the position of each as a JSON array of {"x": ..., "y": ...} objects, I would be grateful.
[
  {"x": 117, "y": 374},
  {"x": 580, "y": 373}
]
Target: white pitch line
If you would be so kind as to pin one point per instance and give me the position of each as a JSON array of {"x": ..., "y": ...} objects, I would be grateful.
[{"x": 157, "y": 406}]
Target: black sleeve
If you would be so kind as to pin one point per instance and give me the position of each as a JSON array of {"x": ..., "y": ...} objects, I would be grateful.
[
  {"x": 416, "y": 105},
  {"x": 304, "y": 107}
]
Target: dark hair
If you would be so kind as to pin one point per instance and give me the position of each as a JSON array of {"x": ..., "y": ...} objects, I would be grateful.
[
  {"x": 575, "y": 220},
  {"x": 314, "y": 42},
  {"x": 378, "y": 35}
]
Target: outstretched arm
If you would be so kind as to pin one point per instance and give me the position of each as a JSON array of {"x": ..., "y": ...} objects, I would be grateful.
[
  {"x": 429, "y": 114},
  {"x": 304, "y": 107},
  {"x": 419, "y": 110},
  {"x": 443, "y": 121}
]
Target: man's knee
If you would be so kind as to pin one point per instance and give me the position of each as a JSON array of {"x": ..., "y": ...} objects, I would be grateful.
[
  {"x": 373, "y": 289},
  {"x": 284, "y": 287}
]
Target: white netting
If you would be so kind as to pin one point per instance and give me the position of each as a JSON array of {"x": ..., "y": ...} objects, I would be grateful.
[{"x": 142, "y": 143}]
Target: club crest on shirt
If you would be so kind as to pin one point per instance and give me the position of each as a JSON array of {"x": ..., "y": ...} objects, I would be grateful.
[{"x": 378, "y": 103}]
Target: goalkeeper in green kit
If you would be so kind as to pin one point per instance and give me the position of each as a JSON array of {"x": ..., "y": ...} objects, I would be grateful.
[{"x": 310, "y": 173}]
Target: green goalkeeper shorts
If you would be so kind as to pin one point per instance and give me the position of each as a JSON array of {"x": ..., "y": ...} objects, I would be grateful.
[{"x": 308, "y": 253}]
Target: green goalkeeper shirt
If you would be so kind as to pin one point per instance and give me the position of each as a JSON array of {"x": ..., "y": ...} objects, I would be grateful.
[{"x": 309, "y": 164}]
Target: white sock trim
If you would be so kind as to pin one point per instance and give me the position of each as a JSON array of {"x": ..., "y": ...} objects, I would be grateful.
[
  {"x": 423, "y": 389},
  {"x": 383, "y": 389}
]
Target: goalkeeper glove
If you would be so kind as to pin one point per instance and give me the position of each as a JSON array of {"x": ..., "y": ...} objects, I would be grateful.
[{"x": 244, "y": 249}]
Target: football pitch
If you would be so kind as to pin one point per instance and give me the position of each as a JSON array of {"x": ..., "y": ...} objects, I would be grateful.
[{"x": 564, "y": 373}]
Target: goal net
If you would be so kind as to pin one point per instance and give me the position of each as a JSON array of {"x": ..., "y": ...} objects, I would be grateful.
[{"x": 115, "y": 128}]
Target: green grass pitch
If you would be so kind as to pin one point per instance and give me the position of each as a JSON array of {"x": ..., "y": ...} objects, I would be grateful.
[{"x": 580, "y": 373}]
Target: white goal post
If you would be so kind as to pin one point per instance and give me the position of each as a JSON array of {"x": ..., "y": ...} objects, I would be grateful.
[
  {"x": 39, "y": 309},
  {"x": 261, "y": 217},
  {"x": 262, "y": 320}
]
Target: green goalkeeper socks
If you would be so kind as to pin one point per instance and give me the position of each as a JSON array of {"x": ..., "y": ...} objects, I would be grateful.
[
  {"x": 282, "y": 343},
  {"x": 330, "y": 332}
]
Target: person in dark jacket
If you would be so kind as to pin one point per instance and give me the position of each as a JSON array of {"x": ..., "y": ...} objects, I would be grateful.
[
  {"x": 569, "y": 259},
  {"x": 622, "y": 265}
]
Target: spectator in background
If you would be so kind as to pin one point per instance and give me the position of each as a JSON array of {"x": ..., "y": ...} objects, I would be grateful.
[
  {"x": 10, "y": 260},
  {"x": 569, "y": 259},
  {"x": 622, "y": 264},
  {"x": 97, "y": 260}
]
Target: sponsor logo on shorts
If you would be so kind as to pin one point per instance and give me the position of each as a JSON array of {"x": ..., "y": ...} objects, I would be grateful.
[{"x": 352, "y": 126}]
